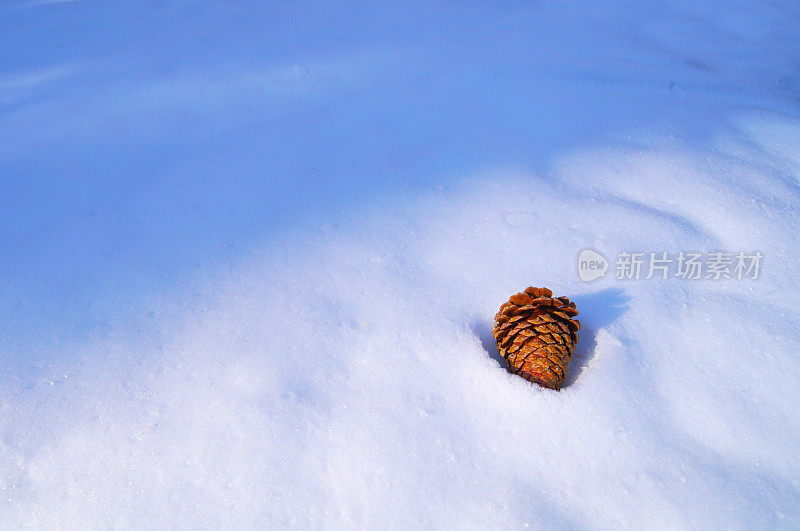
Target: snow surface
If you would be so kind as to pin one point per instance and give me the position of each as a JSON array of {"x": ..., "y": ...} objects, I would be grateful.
[{"x": 250, "y": 253}]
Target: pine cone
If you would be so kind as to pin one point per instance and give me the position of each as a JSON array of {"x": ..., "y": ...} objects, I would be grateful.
[{"x": 536, "y": 335}]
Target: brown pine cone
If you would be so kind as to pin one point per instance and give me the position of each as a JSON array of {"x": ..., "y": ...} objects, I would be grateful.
[{"x": 536, "y": 335}]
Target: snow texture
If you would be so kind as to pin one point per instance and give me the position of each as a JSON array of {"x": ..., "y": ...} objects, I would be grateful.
[{"x": 250, "y": 253}]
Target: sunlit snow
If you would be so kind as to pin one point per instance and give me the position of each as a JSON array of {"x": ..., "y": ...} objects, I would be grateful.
[{"x": 250, "y": 253}]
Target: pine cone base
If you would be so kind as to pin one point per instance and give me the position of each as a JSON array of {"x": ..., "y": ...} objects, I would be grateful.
[{"x": 536, "y": 335}]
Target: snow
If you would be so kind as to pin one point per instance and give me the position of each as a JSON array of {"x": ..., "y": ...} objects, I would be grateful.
[{"x": 251, "y": 253}]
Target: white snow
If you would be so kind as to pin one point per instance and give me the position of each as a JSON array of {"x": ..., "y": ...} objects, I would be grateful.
[{"x": 250, "y": 255}]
